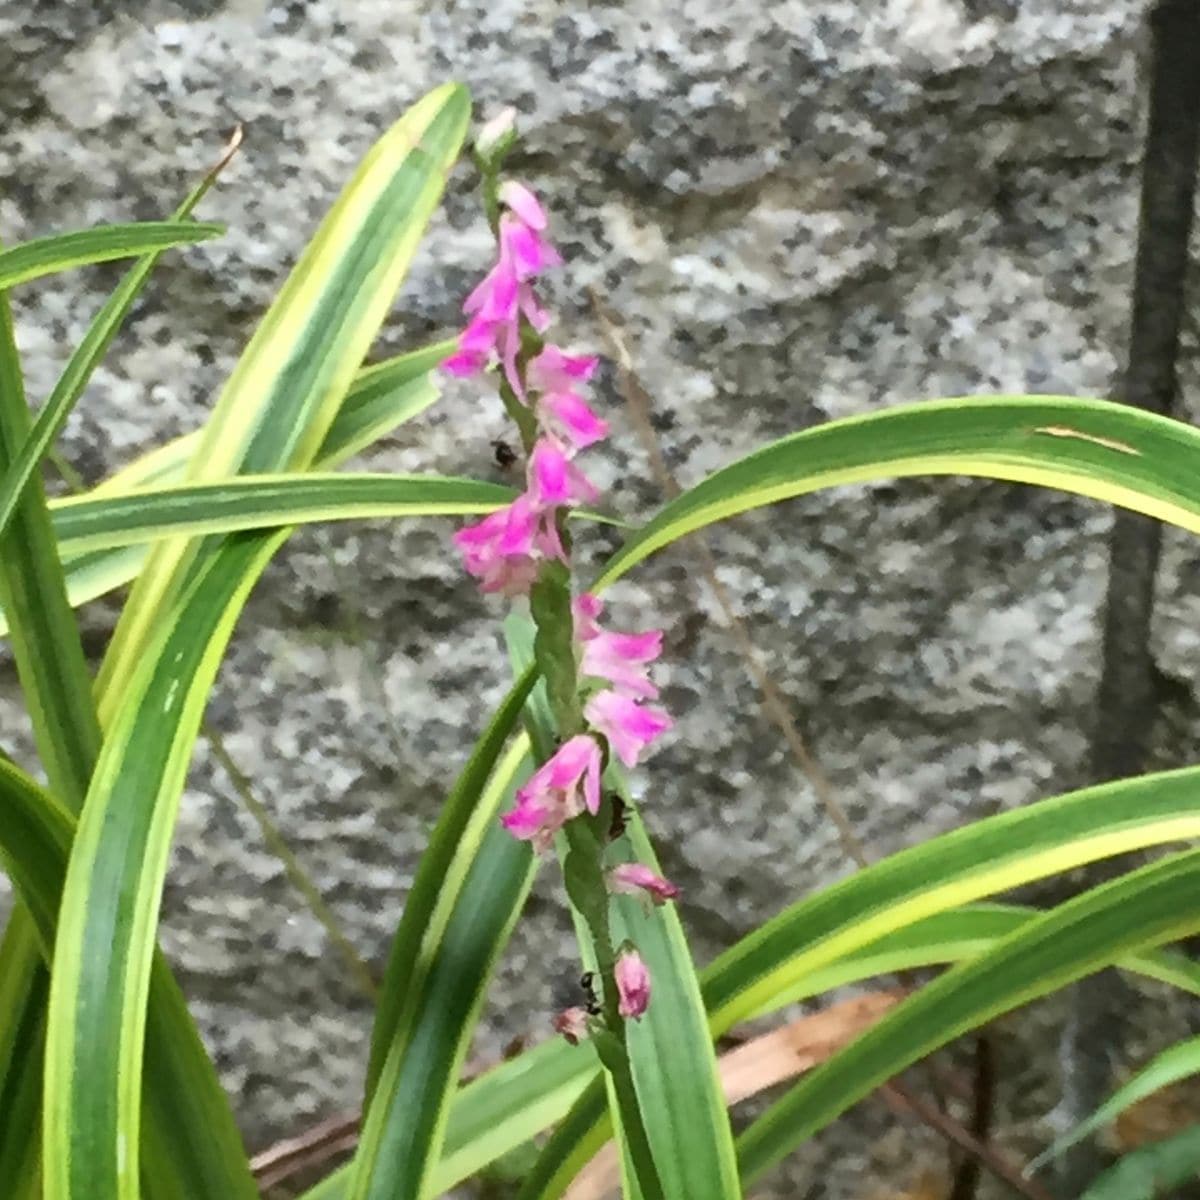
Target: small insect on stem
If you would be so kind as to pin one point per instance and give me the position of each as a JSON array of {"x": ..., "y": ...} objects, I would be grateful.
[
  {"x": 504, "y": 454},
  {"x": 587, "y": 981},
  {"x": 616, "y": 827}
]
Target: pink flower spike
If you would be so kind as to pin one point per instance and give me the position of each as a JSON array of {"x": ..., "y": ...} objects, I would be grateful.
[
  {"x": 633, "y": 984},
  {"x": 562, "y": 788},
  {"x": 622, "y": 658},
  {"x": 524, "y": 203},
  {"x": 630, "y": 879},
  {"x": 553, "y": 370},
  {"x": 629, "y": 726},
  {"x": 572, "y": 1023},
  {"x": 555, "y": 481},
  {"x": 572, "y": 419}
]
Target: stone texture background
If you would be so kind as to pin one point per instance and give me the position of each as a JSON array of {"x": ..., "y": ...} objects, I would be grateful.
[{"x": 802, "y": 210}]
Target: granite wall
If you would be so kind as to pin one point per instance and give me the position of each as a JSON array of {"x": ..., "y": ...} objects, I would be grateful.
[{"x": 802, "y": 209}]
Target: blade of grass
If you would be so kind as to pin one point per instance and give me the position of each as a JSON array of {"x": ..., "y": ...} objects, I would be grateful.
[
  {"x": 278, "y": 405},
  {"x": 194, "y": 1151},
  {"x": 1093, "y": 448},
  {"x": 293, "y": 379},
  {"x": 381, "y": 397},
  {"x": 298, "y": 877},
  {"x": 1176, "y": 1063},
  {"x": 1142, "y": 909},
  {"x": 63, "y": 251},
  {"x": 264, "y": 502},
  {"x": 88, "y": 354}
]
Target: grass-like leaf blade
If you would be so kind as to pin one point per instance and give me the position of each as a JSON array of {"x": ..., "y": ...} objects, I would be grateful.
[
  {"x": 1141, "y": 909},
  {"x": 1110, "y": 452},
  {"x": 63, "y": 251}
]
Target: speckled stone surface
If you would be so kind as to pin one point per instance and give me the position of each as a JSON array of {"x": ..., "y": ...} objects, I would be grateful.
[{"x": 803, "y": 210}]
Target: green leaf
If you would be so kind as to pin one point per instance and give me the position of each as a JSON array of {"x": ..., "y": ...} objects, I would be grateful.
[
  {"x": 23, "y": 988},
  {"x": 382, "y": 397},
  {"x": 517, "y": 1099},
  {"x": 44, "y": 635},
  {"x": 441, "y": 875},
  {"x": 285, "y": 393},
  {"x": 1144, "y": 908},
  {"x": 196, "y": 1151},
  {"x": 671, "y": 1049},
  {"x": 985, "y": 858},
  {"x": 1151, "y": 1172},
  {"x": 470, "y": 889},
  {"x": 1110, "y": 452},
  {"x": 264, "y": 502},
  {"x": 813, "y": 944},
  {"x": 84, "y": 361},
  {"x": 104, "y": 947},
  {"x": 62, "y": 251},
  {"x": 1180, "y": 1061},
  {"x": 277, "y": 407}
]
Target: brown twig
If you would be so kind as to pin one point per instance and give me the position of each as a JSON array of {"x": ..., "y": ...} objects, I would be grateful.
[
  {"x": 773, "y": 701},
  {"x": 966, "y": 1177},
  {"x": 310, "y": 1149},
  {"x": 775, "y": 706}
]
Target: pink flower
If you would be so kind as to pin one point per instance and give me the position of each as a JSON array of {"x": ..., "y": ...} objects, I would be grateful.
[
  {"x": 587, "y": 609},
  {"x": 503, "y": 550},
  {"x": 560, "y": 789},
  {"x": 630, "y": 879},
  {"x": 556, "y": 371},
  {"x": 568, "y": 418},
  {"x": 619, "y": 658},
  {"x": 527, "y": 253},
  {"x": 633, "y": 984},
  {"x": 562, "y": 411},
  {"x": 554, "y": 480},
  {"x": 572, "y": 1023},
  {"x": 504, "y": 295},
  {"x": 629, "y": 726},
  {"x": 524, "y": 204}
]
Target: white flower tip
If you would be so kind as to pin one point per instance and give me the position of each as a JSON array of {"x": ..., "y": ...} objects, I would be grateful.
[{"x": 500, "y": 128}]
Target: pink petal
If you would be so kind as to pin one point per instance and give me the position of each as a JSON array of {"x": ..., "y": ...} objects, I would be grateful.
[
  {"x": 524, "y": 203},
  {"x": 465, "y": 363},
  {"x": 587, "y": 609},
  {"x": 633, "y": 984},
  {"x": 555, "y": 481},
  {"x": 576, "y": 422},
  {"x": 631, "y": 878},
  {"x": 572, "y": 1023},
  {"x": 629, "y": 726},
  {"x": 554, "y": 370}
]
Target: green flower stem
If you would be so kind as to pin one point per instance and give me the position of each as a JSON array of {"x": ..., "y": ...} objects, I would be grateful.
[
  {"x": 583, "y": 865},
  {"x": 521, "y": 414}
]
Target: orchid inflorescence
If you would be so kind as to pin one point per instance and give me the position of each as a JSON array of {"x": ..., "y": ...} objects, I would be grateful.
[{"x": 510, "y": 550}]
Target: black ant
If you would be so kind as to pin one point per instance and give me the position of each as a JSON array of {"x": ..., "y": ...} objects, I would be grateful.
[
  {"x": 587, "y": 981},
  {"x": 619, "y": 814},
  {"x": 504, "y": 454}
]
